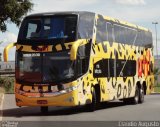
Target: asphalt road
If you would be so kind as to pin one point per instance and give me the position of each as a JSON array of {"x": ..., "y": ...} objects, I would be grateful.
[{"x": 111, "y": 111}]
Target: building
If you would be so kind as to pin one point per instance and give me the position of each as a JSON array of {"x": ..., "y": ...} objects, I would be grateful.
[{"x": 7, "y": 66}]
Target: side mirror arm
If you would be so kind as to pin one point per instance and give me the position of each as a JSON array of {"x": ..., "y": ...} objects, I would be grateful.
[{"x": 6, "y": 50}]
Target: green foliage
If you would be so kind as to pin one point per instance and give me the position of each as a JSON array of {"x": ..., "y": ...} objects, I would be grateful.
[
  {"x": 0, "y": 56},
  {"x": 1, "y": 42},
  {"x": 7, "y": 83},
  {"x": 13, "y": 11},
  {"x": 157, "y": 88},
  {"x": 156, "y": 73}
]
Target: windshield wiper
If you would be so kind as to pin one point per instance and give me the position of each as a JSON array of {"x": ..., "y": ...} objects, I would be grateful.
[{"x": 32, "y": 37}]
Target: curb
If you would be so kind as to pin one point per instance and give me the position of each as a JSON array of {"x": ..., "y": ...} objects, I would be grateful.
[
  {"x": 155, "y": 93},
  {"x": 1, "y": 105}
]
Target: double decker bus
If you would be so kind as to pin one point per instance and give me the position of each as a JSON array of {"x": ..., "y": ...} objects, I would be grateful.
[{"x": 81, "y": 58}]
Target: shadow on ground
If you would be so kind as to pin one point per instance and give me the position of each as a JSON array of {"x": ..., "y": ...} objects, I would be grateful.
[{"x": 56, "y": 111}]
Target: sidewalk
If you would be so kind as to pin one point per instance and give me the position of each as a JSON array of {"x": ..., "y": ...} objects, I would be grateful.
[
  {"x": 1, "y": 105},
  {"x": 1, "y": 98},
  {"x": 1, "y": 94},
  {"x": 1, "y": 102}
]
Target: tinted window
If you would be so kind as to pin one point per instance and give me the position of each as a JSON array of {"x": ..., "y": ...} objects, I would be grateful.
[
  {"x": 44, "y": 67},
  {"x": 139, "y": 40},
  {"x": 142, "y": 38},
  {"x": 108, "y": 68},
  {"x": 120, "y": 34},
  {"x": 85, "y": 27},
  {"x": 55, "y": 27},
  {"x": 110, "y": 32},
  {"x": 148, "y": 39},
  {"x": 124, "y": 35},
  {"x": 101, "y": 34},
  {"x": 130, "y": 36}
]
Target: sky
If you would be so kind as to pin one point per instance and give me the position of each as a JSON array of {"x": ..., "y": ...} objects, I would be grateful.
[{"x": 139, "y": 12}]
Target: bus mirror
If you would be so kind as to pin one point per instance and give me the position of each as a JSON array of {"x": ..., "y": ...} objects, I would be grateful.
[
  {"x": 73, "y": 52},
  {"x": 6, "y": 49}
]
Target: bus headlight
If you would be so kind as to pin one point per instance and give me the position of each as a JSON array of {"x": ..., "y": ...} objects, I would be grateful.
[
  {"x": 19, "y": 91},
  {"x": 70, "y": 89}
]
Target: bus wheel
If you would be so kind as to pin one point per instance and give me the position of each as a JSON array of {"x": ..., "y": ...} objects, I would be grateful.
[
  {"x": 135, "y": 99},
  {"x": 44, "y": 109},
  {"x": 91, "y": 107},
  {"x": 141, "y": 95}
]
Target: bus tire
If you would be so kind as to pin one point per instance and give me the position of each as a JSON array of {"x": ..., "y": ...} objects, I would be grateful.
[
  {"x": 141, "y": 95},
  {"x": 135, "y": 99},
  {"x": 92, "y": 106},
  {"x": 44, "y": 109}
]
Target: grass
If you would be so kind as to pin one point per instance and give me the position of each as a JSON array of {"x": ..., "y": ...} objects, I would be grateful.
[
  {"x": 2, "y": 90},
  {"x": 6, "y": 84},
  {"x": 157, "y": 88}
]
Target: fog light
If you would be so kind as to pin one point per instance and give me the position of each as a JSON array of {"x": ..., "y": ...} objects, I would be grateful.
[
  {"x": 18, "y": 100},
  {"x": 71, "y": 99}
]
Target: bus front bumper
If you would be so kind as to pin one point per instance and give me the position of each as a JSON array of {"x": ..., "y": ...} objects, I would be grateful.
[{"x": 63, "y": 99}]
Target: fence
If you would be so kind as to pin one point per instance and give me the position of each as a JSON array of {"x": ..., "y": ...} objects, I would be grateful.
[{"x": 7, "y": 73}]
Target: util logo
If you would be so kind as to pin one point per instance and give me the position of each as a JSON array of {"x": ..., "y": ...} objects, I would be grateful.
[{"x": 144, "y": 64}]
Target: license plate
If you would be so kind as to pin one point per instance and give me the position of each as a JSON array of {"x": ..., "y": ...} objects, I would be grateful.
[{"x": 42, "y": 102}]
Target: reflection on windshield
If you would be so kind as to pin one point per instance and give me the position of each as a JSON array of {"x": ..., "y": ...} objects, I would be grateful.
[
  {"x": 44, "y": 67},
  {"x": 56, "y": 67},
  {"x": 54, "y": 27}
]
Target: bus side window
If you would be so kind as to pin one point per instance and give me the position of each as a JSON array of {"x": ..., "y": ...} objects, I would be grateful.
[
  {"x": 130, "y": 36},
  {"x": 110, "y": 32},
  {"x": 144, "y": 39},
  {"x": 116, "y": 33},
  {"x": 85, "y": 26},
  {"x": 81, "y": 65},
  {"x": 139, "y": 40},
  {"x": 101, "y": 34},
  {"x": 83, "y": 59},
  {"x": 119, "y": 33}
]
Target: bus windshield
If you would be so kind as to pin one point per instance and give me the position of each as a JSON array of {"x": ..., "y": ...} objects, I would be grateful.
[
  {"x": 55, "y": 27},
  {"x": 44, "y": 67}
]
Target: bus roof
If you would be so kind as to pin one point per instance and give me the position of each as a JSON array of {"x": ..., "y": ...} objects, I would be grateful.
[
  {"x": 86, "y": 12},
  {"x": 125, "y": 23},
  {"x": 59, "y": 13}
]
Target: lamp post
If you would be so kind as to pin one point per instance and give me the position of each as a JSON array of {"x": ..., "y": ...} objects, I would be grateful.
[{"x": 155, "y": 23}]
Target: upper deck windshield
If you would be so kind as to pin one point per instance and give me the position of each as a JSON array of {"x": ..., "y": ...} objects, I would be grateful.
[{"x": 54, "y": 27}]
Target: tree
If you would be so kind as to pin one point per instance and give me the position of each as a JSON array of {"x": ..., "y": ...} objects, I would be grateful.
[
  {"x": 0, "y": 57},
  {"x": 156, "y": 73},
  {"x": 13, "y": 11},
  {"x": 1, "y": 53},
  {"x": 1, "y": 42}
]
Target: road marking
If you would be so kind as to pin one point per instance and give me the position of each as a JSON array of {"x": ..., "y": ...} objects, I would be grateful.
[{"x": 1, "y": 107}]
